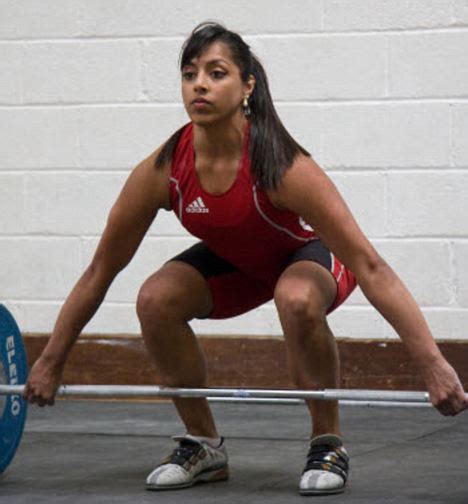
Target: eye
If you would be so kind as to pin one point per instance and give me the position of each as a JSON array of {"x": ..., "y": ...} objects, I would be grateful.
[
  {"x": 187, "y": 75},
  {"x": 218, "y": 74}
]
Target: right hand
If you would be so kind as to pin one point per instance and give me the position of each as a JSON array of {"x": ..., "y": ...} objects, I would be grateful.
[{"x": 43, "y": 382}]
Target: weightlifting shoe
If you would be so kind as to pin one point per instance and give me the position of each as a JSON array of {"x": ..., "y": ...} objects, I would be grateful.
[
  {"x": 193, "y": 461},
  {"x": 327, "y": 467}
]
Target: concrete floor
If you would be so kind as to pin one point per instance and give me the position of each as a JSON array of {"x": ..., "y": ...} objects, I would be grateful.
[{"x": 100, "y": 452}]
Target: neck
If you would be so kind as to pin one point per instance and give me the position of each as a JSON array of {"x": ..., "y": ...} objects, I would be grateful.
[{"x": 219, "y": 141}]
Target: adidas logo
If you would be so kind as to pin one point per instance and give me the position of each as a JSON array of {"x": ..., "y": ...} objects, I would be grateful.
[{"x": 197, "y": 206}]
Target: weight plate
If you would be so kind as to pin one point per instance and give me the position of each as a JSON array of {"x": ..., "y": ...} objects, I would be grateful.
[{"x": 15, "y": 370}]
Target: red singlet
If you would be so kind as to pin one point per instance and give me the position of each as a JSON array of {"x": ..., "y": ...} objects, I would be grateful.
[{"x": 241, "y": 225}]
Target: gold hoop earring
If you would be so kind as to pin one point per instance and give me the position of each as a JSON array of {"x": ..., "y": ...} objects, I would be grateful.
[{"x": 245, "y": 105}]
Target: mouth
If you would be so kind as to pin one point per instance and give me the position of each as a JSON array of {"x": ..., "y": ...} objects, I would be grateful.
[{"x": 200, "y": 101}]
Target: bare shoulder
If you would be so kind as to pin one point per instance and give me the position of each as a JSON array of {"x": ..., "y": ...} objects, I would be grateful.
[
  {"x": 150, "y": 183},
  {"x": 303, "y": 175},
  {"x": 304, "y": 169}
]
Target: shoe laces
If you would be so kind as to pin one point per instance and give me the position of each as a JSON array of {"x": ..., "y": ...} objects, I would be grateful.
[{"x": 184, "y": 452}]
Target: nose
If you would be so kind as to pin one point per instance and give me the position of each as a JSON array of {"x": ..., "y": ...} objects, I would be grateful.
[{"x": 200, "y": 83}]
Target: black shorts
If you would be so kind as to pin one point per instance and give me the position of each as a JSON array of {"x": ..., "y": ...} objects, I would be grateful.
[{"x": 235, "y": 292}]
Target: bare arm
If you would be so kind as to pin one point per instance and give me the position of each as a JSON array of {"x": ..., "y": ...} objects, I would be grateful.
[
  {"x": 144, "y": 193},
  {"x": 308, "y": 191}
]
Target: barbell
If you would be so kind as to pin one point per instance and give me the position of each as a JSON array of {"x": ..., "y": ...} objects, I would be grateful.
[{"x": 14, "y": 362}]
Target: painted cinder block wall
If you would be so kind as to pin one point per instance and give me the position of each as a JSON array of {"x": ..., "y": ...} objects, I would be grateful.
[{"x": 376, "y": 90}]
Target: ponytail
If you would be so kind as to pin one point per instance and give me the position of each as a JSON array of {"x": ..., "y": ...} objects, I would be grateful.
[{"x": 272, "y": 148}]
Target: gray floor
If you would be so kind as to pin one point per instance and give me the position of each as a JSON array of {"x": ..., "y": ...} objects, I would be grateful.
[{"x": 99, "y": 452}]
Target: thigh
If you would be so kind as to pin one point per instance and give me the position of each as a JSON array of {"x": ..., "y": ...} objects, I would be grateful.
[
  {"x": 343, "y": 283},
  {"x": 232, "y": 291},
  {"x": 175, "y": 290}
]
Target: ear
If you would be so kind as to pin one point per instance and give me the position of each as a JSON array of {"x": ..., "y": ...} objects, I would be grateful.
[{"x": 249, "y": 85}]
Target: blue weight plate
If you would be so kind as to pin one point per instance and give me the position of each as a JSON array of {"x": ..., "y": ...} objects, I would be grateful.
[{"x": 15, "y": 367}]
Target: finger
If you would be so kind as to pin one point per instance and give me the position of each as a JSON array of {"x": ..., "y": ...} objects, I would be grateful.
[
  {"x": 459, "y": 402},
  {"x": 46, "y": 400},
  {"x": 444, "y": 410},
  {"x": 37, "y": 398},
  {"x": 32, "y": 398},
  {"x": 454, "y": 407},
  {"x": 41, "y": 402},
  {"x": 445, "y": 407},
  {"x": 463, "y": 405},
  {"x": 26, "y": 391}
]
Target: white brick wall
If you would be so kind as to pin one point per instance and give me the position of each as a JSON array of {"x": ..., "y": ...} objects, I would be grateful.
[{"x": 376, "y": 90}]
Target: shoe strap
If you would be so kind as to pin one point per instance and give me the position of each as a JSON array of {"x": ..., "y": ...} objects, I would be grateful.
[
  {"x": 328, "y": 458},
  {"x": 199, "y": 440},
  {"x": 186, "y": 452}
]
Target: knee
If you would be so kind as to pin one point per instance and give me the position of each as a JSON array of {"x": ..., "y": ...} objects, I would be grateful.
[
  {"x": 300, "y": 305},
  {"x": 148, "y": 305},
  {"x": 155, "y": 306}
]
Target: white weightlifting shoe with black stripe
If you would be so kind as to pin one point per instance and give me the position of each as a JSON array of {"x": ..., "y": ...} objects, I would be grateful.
[
  {"x": 327, "y": 467},
  {"x": 193, "y": 461}
]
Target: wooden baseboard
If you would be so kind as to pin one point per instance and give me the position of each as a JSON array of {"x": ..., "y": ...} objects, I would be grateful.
[{"x": 246, "y": 362}]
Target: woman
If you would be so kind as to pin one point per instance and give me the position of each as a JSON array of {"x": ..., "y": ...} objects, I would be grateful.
[{"x": 268, "y": 217}]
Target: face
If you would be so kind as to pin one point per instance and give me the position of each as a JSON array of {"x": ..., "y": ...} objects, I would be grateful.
[{"x": 214, "y": 78}]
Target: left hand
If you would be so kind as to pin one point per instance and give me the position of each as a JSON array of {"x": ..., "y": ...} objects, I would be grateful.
[{"x": 444, "y": 387}]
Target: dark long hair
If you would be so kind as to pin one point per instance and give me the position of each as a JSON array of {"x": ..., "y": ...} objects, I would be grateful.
[{"x": 272, "y": 149}]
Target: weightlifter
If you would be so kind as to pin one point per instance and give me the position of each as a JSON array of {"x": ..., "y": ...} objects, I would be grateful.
[{"x": 271, "y": 225}]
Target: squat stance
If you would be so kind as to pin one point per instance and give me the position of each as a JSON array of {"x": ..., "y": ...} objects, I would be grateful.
[{"x": 271, "y": 225}]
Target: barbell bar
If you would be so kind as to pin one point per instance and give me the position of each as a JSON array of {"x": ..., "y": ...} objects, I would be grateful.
[
  {"x": 363, "y": 398},
  {"x": 155, "y": 391}
]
